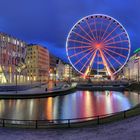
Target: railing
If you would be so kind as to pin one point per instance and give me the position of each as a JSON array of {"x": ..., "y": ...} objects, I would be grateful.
[{"x": 76, "y": 122}]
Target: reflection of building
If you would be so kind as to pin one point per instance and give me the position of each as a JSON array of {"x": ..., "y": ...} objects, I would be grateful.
[
  {"x": 53, "y": 62},
  {"x": 37, "y": 61},
  {"x": 12, "y": 56},
  {"x": 131, "y": 69}
]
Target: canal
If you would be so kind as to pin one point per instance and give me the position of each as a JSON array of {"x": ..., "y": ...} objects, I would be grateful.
[{"x": 79, "y": 104}]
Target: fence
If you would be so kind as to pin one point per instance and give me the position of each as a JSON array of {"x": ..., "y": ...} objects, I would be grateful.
[{"x": 76, "y": 122}]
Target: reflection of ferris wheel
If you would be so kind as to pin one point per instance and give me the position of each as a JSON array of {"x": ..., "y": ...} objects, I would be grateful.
[{"x": 98, "y": 43}]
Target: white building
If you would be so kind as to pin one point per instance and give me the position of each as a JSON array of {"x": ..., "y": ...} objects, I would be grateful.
[
  {"x": 60, "y": 70},
  {"x": 132, "y": 69},
  {"x": 68, "y": 70}
]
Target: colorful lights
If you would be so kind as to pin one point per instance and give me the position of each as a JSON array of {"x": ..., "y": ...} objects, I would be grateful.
[
  {"x": 76, "y": 105},
  {"x": 97, "y": 43}
]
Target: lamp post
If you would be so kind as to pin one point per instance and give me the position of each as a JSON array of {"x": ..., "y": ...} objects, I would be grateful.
[
  {"x": 129, "y": 73},
  {"x": 138, "y": 70},
  {"x": 16, "y": 81},
  {"x": 69, "y": 74},
  {"x": 19, "y": 67},
  {"x": 40, "y": 80},
  {"x": 31, "y": 80},
  {"x": 55, "y": 76},
  {"x": 16, "y": 69}
]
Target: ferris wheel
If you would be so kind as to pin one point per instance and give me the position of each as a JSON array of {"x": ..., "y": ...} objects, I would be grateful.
[{"x": 96, "y": 44}]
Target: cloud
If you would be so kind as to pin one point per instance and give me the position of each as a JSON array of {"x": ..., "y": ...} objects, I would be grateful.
[{"x": 51, "y": 20}]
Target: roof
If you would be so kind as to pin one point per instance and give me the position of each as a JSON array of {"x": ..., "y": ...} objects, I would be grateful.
[{"x": 137, "y": 50}]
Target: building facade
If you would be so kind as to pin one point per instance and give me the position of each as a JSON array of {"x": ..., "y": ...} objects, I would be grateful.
[
  {"x": 53, "y": 67},
  {"x": 68, "y": 71},
  {"x": 38, "y": 63},
  {"x": 60, "y": 70},
  {"x": 12, "y": 60},
  {"x": 131, "y": 70}
]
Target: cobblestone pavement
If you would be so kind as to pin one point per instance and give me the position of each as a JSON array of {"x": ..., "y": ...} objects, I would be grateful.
[{"x": 128, "y": 129}]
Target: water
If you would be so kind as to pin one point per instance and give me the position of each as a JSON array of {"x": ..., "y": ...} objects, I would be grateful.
[{"x": 76, "y": 105}]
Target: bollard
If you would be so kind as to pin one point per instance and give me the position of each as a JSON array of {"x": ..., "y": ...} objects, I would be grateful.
[
  {"x": 98, "y": 120},
  {"x": 124, "y": 114},
  {"x": 68, "y": 123},
  {"x": 3, "y": 123},
  {"x": 36, "y": 124}
]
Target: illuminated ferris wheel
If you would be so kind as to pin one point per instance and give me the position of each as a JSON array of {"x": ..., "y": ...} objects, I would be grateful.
[{"x": 96, "y": 44}]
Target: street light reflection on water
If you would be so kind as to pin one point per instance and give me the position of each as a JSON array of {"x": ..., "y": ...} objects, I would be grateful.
[{"x": 76, "y": 105}]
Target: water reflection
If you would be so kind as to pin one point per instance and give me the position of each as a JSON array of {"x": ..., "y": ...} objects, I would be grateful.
[
  {"x": 49, "y": 108},
  {"x": 76, "y": 105}
]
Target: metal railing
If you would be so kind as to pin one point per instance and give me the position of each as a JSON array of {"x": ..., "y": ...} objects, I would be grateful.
[{"x": 75, "y": 122}]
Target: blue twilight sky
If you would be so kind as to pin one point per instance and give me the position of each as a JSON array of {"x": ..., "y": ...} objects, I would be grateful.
[{"x": 48, "y": 21}]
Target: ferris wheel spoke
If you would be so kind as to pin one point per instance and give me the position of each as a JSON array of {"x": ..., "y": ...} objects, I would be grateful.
[
  {"x": 116, "y": 53},
  {"x": 110, "y": 33},
  {"x": 90, "y": 64},
  {"x": 109, "y": 61},
  {"x": 114, "y": 47},
  {"x": 86, "y": 32},
  {"x": 98, "y": 42},
  {"x": 82, "y": 37},
  {"x": 83, "y": 57},
  {"x": 78, "y": 41},
  {"x": 95, "y": 29},
  {"x": 106, "y": 30},
  {"x": 87, "y": 60},
  {"x": 100, "y": 30},
  {"x": 105, "y": 63},
  {"x": 116, "y": 42},
  {"x": 80, "y": 52},
  {"x": 79, "y": 47},
  {"x": 118, "y": 35},
  {"x": 90, "y": 30},
  {"x": 113, "y": 58}
]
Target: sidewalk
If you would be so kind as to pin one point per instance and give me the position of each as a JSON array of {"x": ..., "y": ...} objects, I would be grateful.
[
  {"x": 38, "y": 91},
  {"x": 128, "y": 129}
]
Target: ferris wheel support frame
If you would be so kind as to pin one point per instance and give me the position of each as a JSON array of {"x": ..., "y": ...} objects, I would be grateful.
[{"x": 107, "y": 43}]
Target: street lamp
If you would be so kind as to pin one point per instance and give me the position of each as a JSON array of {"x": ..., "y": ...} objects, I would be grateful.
[
  {"x": 19, "y": 67},
  {"x": 40, "y": 80},
  {"x": 138, "y": 70},
  {"x": 31, "y": 79},
  {"x": 55, "y": 75},
  {"x": 129, "y": 73},
  {"x": 69, "y": 74},
  {"x": 16, "y": 69},
  {"x": 16, "y": 81}
]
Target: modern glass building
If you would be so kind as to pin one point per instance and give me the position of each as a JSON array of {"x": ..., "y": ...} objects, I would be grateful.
[
  {"x": 12, "y": 60},
  {"x": 132, "y": 68}
]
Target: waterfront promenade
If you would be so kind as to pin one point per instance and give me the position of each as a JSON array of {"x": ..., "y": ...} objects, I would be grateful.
[
  {"x": 46, "y": 90},
  {"x": 53, "y": 87},
  {"x": 127, "y": 129}
]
